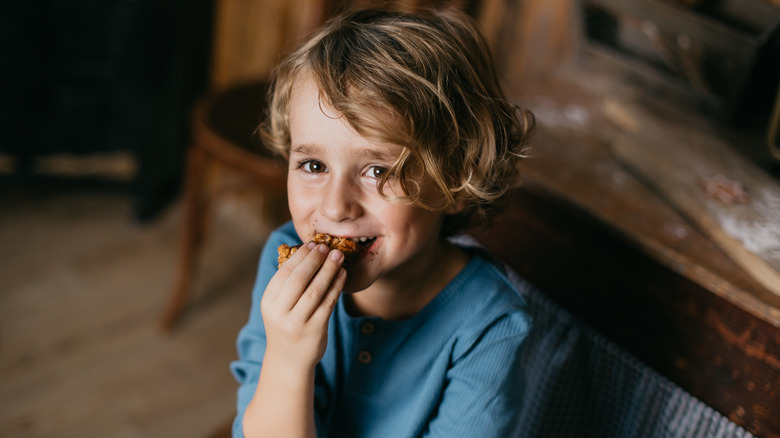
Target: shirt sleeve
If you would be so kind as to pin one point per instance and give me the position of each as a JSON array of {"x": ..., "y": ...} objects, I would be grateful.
[
  {"x": 251, "y": 341},
  {"x": 485, "y": 385}
]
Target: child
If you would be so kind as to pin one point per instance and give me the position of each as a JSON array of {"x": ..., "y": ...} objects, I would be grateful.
[{"x": 397, "y": 135}]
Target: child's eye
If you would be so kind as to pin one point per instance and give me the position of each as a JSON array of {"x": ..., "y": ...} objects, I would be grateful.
[
  {"x": 312, "y": 166},
  {"x": 376, "y": 171}
]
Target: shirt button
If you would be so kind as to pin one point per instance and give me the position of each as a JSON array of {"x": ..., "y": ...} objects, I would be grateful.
[
  {"x": 367, "y": 328},
  {"x": 364, "y": 357}
]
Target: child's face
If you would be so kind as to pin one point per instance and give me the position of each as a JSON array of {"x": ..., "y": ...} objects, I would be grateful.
[{"x": 332, "y": 188}]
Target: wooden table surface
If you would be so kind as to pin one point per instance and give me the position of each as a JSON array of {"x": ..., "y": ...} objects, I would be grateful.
[
  {"x": 573, "y": 160},
  {"x": 616, "y": 252}
]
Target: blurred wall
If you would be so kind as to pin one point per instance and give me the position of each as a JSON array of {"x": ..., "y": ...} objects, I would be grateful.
[
  {"x": 90, "y": 77},
  {"x": 250, "y": 35}
]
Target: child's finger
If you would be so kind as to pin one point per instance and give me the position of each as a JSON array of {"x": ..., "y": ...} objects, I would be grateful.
[
  {"x": 319, "y": 285},
  {"x": 297, "y": 281},
  {"x": 328, "y": 303},
  {"x": 275, "y": 286}
]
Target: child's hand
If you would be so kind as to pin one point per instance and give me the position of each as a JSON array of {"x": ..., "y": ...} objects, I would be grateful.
[{"x": 297, "y": 305}]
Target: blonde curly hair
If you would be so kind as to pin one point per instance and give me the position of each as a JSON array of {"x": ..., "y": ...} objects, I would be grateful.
[{"x": 433, "y": 74}]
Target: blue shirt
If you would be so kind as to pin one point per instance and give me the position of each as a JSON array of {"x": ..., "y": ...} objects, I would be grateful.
[{"x": 452, "y": 370}]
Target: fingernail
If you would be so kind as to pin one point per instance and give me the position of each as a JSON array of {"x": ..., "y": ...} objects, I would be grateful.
[
  {"x": 310, "y": 245},
  {"x": 336, "y": 255},
  {"x": 323, "y": 249}
]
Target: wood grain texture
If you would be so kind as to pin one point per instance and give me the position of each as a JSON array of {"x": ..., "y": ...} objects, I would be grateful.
[
  {"x": 571, "y": 161},
  {"x": 712, "y": 348},
  {"x": 677, "y": 162},
  {"x": 81, "y": 286}
]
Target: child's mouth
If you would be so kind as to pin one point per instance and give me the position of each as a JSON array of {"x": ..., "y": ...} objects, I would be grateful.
[
  {"x": 352, "y": 247},
  {"x": 363, "y": 243}
]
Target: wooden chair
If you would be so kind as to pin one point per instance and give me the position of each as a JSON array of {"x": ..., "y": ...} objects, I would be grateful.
[{"x": 224, "y": 157}]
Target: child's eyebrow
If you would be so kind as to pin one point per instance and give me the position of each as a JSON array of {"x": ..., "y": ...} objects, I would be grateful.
[
  {"x": 304, "y": 149},
  {"x": 380, "y": 155},
  {"x": 369, "y": 153}
]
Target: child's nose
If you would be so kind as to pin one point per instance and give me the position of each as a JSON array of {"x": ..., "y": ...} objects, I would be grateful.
[{"x": 340, "y": 200}]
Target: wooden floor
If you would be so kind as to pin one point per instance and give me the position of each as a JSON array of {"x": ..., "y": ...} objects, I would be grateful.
[{"x": 81, "y": 287}]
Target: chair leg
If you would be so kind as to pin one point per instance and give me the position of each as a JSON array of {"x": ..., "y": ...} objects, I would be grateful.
[{"x": 195, "y": 207}]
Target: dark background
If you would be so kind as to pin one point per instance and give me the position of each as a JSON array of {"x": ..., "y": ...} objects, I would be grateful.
[{"x": 93, "y": 76}]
